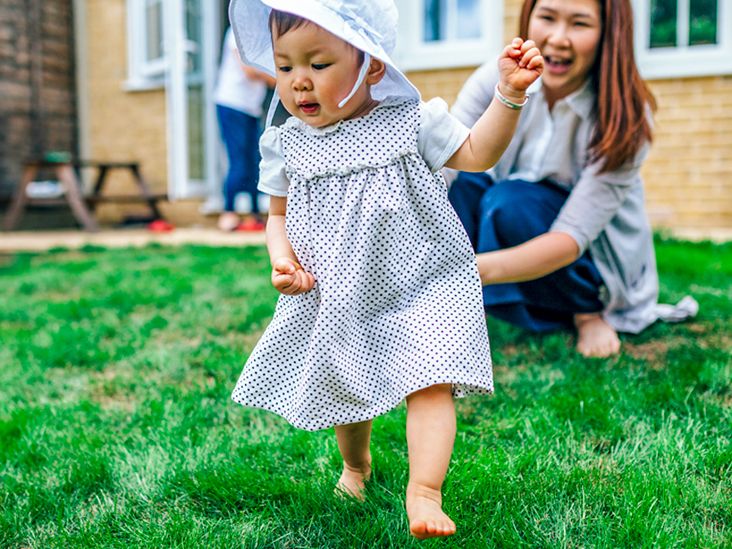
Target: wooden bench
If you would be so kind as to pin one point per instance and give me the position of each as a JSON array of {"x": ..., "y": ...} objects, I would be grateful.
[{"x": 82, "y": 206}]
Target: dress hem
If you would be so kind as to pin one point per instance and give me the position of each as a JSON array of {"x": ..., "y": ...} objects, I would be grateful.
[{"x": 479, "y": 389}]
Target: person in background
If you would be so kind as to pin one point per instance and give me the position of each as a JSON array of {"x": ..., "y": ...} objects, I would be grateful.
[
  {"x": 239, "y": 95},
  {"x": 559, "y": 223}
]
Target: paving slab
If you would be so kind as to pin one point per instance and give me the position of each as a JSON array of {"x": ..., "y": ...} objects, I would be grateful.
[{"x": 37, "y": 241}]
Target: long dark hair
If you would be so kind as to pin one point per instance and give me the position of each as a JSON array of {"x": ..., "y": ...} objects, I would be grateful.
[{"x": 621, "y": 96}]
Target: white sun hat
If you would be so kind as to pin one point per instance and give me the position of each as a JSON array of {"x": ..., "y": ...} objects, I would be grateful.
[{"x": 368, "y": 25}]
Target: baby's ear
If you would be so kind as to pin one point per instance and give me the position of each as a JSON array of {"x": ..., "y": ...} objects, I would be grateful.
[{"x": 377, "y": 70}]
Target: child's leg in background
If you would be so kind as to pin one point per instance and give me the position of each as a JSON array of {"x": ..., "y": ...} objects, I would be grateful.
[
  {"x": 354, "y": 442},
  {"x": 240, "y": 134},
  {"x": 251, "y": 160},
  {"x": 430, "y": 438}
]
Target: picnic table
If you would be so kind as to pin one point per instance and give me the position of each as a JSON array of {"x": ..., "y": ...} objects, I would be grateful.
[{"x": 82, "y": 205}]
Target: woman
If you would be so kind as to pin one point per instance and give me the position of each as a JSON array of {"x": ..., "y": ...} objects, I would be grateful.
[{"x": 559, "y": 223}]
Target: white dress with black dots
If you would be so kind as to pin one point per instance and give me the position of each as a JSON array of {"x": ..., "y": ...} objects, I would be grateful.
[{"x": 397, "y": 304}]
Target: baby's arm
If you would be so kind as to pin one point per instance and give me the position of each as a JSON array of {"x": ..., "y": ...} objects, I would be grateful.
[
  {"x": 519, "y": 64},
  {"x": 288, "y": 277}
]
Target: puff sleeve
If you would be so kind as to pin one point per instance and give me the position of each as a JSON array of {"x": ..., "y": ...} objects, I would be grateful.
[
  {"x": 440, "y": 134},
  {"x": 272, "y": 176}
]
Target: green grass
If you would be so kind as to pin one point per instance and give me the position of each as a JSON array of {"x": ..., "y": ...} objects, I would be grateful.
[{"x": 116, "y": 427}]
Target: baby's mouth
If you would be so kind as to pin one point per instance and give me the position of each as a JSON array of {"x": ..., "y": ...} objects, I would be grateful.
[{"x": 309, "y": 108}]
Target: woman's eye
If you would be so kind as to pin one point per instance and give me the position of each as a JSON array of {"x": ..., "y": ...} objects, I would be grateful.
[{"x": 320, "y": 66}]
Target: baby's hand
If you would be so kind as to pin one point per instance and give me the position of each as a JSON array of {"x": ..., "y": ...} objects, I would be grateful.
[
  {"x": 289, "y": 278},
  {"x": 519, "y": 65}
]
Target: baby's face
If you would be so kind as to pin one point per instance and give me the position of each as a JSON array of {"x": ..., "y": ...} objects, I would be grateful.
[{"x": 315, "y": 71}]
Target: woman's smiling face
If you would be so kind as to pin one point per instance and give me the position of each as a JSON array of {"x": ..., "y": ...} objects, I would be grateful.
[{"x": 568, "y": 33}]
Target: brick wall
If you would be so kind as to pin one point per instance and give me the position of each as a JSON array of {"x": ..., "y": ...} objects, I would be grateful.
[
  {"x": 37, "y": 89},
  {"x": 123, "y": 124},
  {"x": 688, "y": 174}
]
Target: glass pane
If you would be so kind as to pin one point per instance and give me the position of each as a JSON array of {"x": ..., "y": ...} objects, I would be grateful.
[
  {"x": 468, "y": 19},
  {"x": 663, "y": 23},
  {"x": 703, "y": 22},
  {"x": 196, "y": 133},
  {"x": 196, "y": 93},
  {"x": 434, "y": 20},
  {"x": 193, "y": 34},
  {"x": 153, "y": 30}
]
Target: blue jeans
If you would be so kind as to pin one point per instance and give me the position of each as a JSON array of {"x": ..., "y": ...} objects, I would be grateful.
[
  {"x": 505, "y": 214},
  {"x": 240, "y": 133}
]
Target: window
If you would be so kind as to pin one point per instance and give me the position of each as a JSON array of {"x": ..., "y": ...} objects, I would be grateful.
[
  {"x": 451, "y": 20},
  {"x": 683, "y": 37},
  {"x": 145, "y": 46},
  {"x": 448, "y": 33}
]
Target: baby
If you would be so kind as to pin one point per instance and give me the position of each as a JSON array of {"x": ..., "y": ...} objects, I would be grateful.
[{"x": 381, "y": 299}]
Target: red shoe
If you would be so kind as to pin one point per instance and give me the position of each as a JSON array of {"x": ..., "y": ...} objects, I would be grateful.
[
  {"x": 160, "y": 226},
  {"x": 250, "y": 226}
]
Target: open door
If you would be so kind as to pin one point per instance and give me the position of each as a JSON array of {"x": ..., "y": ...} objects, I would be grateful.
[{"x": 192, "y": 32}]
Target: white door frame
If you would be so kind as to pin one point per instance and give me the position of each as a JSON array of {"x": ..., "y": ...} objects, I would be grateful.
[{"x": 180, "y": 184}]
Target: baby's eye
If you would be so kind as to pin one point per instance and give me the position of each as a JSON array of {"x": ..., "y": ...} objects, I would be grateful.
[
  {"x": 320, "y": 66},
  {"x": 284, "y": 68}
]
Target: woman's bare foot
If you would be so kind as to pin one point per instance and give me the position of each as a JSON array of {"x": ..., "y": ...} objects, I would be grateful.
[
  {"x": 426, "y": 518},
  {"x": 595, "y": 337},
  {"x": 353, "y": 481}
]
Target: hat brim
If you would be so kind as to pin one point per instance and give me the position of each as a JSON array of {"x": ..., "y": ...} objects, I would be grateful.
[{"x": 250, "y": 23}]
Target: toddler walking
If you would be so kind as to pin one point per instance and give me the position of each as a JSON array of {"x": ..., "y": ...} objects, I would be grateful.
[{"x": 381, "y": 299}]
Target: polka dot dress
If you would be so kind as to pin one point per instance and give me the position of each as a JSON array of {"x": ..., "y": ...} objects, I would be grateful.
[{"x": 397, "y": 304}]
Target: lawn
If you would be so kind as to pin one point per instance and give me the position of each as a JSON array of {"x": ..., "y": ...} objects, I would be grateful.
[{"x": 116, "y": 427}]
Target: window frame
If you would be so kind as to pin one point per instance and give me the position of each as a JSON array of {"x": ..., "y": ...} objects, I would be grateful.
[
  {"x": 683, "y": 60},
  {"x": 142, "y": 73},
  {"x": 414, "y": 53}
]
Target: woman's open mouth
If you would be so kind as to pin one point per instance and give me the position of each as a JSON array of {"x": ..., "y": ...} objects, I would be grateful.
[{"x": 557, "y": 65}]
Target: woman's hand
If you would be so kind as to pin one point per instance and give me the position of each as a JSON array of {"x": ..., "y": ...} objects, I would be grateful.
[
  {"x": 289, "y": 278},
  {"x": 520, "y": 64}
]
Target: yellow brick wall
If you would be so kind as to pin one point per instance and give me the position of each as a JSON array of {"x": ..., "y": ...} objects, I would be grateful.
[
  {"x": 512, "y": 10},
  {"x": 688, "y": 174},
  {"x": 123, "y": 125}
]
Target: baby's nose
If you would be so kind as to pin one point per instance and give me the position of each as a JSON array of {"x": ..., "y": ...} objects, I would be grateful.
[{"x": 301, "y": 82}]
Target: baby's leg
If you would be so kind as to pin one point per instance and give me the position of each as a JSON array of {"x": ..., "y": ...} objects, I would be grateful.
[
  {"x": 353, "y": 442},
  {"x": 430, "y": 437}
]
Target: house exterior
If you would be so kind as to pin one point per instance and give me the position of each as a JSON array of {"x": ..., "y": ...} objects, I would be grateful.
[
  {"x": 37, "y": 84},
  {"x": 146, "y": 70}
]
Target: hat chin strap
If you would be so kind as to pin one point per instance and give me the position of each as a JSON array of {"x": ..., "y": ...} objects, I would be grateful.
[
  {"x": 359, "y": 80},
  {"x": 361, "y": 77}
]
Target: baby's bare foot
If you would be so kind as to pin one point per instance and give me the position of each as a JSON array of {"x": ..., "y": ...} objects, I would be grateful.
[
  {"x": 595, "y": 337},
  {"x": 353, "y": 481},
  {"x": 426, "y": 518}
]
